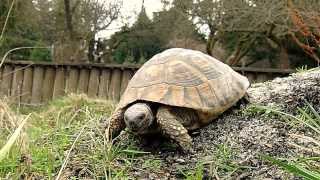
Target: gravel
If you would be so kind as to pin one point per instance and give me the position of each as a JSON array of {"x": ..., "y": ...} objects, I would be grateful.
[{"x": 247, "y": 135}]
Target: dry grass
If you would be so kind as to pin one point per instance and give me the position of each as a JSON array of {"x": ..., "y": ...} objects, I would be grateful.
[
  {"x": 11, "y": 125},
  {"x": 61, "y": 140}
]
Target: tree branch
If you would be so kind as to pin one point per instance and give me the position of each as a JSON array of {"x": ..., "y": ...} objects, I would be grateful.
[
  {"x": 68, "y": 17},
  {"x": 6, "y": 21}
]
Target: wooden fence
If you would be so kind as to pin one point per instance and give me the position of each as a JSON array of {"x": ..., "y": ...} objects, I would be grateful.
[{"x": 35, "y": 83}]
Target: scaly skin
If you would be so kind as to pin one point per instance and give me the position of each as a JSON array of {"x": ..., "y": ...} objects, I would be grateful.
[
  {"x": 170, "y": 126},
  {"x": 115, "y": 125}
]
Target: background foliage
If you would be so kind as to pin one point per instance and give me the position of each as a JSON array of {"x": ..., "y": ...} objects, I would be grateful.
[{"x": 283, "y": 34}]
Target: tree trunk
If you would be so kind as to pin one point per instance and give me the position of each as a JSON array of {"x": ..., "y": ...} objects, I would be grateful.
[
  {"x": 284, "y": 58},
  {"x": 242, "y": 49},
  {"x": 211, "y": 40},
  {"x": 209, "y": 44},
  {"x": 68, "y": 16}
]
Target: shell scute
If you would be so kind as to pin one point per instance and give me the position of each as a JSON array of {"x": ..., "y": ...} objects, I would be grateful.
[{"x": 186, "y": 78}]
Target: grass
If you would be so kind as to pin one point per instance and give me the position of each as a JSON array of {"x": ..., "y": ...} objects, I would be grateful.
[
  {"x": 6, "y": 148},
  {"x": 10, "y": 124},
  {"x": 302, "y": 69},
  {"x": 65, "y": 139},
  {"x": 307, "y": 118},
  {"x": 220, "y": 165},
  {"x": 196, "y": 174}
]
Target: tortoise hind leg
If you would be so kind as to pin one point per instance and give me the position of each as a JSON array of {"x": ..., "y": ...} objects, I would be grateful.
[
  {"x": 170, "y": 126},
  {"x": 115, "y": 124}
]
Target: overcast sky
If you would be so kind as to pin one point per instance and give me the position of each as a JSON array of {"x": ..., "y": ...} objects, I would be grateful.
[{"x": 130, "y": 9}]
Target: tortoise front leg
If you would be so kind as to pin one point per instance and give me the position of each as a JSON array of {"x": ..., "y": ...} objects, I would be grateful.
[
  {"x": 115, "y": 124},
  {"x": 170, "y": 126}
]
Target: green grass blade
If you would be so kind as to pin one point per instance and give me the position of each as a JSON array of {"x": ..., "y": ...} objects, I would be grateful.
[
  {"x": 316, "y": 114},
  {"x": 315, "y": 126},
  {"x": 289, "y": 116},
  {"x": 130, "y": 151},
  {"x": 6, "y": 148},
  {"x": 294, "y": 168}
]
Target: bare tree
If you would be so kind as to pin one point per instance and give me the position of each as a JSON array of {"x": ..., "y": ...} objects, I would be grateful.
[
  {"x": 250, "y": 20},
  {"x": 76, "y": 23},
  {"x": 209, "y": 13}
]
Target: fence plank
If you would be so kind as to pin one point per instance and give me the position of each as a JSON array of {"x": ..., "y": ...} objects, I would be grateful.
[
  {"x": 126, "y": 76},
  {"x": 93, "y": 82},
  {"x": 59, "y": 83},
  {"x": 72, "y": 80},
  {"x": 250, "y": 76},
  {"x": 262, "y": 77},
  {"x": 1, "y": 73},
  {"x": 27, "y": 85},
  {"x": 17, "y": 83},
  {"x": 48, "y": 84},
  {"x": 115, "y": 85},
  {"x": 83, "y": 81},
  {"x": 40, "y": 82},
  {"x": 6, "y": 82},
  {"x": 104, "y": 84},
  {"x": 37, "y": 85}
]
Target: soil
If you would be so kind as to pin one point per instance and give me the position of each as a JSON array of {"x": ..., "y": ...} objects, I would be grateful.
[{"x": 247, "y": 135}]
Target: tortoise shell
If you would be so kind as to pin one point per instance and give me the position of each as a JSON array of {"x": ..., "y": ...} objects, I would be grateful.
[{"x": 186, "y": 78}]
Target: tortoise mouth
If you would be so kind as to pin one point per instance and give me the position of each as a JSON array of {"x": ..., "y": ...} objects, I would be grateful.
[{"x": 139, "y": 128}]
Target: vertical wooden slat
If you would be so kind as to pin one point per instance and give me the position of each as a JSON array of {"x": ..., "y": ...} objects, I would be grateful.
[
  {"x": 59, "y": 83},
  {"x": 83, "y": 81},
  {"x": 126, "y": 76},
  {"x": 6, "y": 82},
  {"x": 37, "y": 85},
  {"x": 1, "y": 73},
  {"x": 48, "y": 84},
  {"x": 262, "y": 77},
  {"x": 104, "y": 83},
  {"x": 72, "y": 80},
  {"x": 27, "y": 85},
  {"x": 115, "y": 85},
  {"x": 93, "y": 82},
  {"x": 250, "y": 76},
  {"x": 17, "y": 83}
]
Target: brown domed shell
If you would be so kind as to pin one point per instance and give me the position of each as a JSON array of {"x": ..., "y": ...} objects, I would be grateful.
[{"x": 186, "y": 78}]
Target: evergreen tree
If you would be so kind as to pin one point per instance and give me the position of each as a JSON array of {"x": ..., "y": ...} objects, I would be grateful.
[{"x": 137, "y": 43}]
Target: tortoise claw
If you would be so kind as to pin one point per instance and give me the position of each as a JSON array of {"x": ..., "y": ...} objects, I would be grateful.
[
  {"x": 172, "y": 128},
  {"x": 114, "y": 125}
]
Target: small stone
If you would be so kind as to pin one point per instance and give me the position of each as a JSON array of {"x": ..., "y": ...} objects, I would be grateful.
[
  {"x": 268, "y": 145},
  {"x": 180, "y": 160}
]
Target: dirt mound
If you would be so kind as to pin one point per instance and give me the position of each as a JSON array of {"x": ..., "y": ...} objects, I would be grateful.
[
  {"x": 231, "y": 146},
  {"x": 290, "y": 92}
]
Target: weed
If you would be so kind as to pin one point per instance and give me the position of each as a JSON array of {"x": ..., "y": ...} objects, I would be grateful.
[
  {"x": 220, "y": 165},
  {"x": 196, "y": 174},
  {"x": 302, "y": 69},
  {"x": 154, "y": 164},
  {"x": 308, "y": 118},
  {"x": 255, "y": 109}
]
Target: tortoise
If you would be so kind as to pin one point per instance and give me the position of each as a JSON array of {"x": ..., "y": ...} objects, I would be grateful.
[{"x": 177, "y": 91}]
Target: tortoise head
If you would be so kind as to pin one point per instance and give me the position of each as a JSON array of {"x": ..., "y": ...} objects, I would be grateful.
[{"x": 138, "y": 117}]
